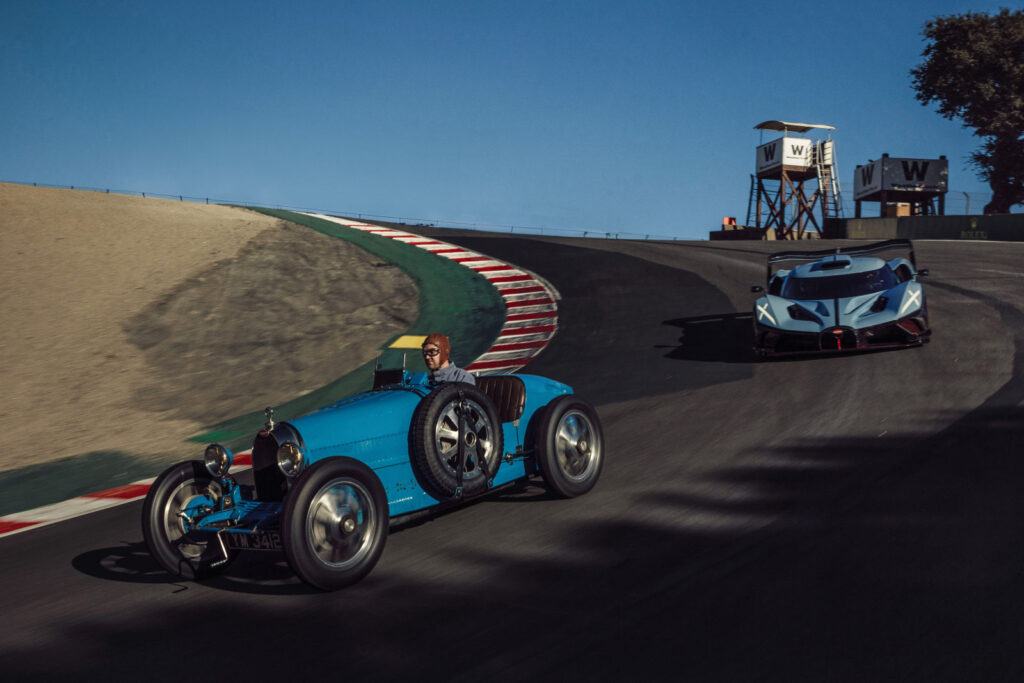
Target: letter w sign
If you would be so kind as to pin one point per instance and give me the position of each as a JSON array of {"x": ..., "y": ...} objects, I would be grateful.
[{"x": 913, "y": 171}]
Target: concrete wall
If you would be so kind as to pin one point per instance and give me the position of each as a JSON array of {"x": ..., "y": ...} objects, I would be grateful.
[
  {"x": 743, "y": 233},
  {"x": 861, "y": 228},
  {"x": 1003, "y": 227}
]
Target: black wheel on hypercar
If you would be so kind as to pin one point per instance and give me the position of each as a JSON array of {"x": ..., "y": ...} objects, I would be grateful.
[
  {"x": 570, "y": 446},
  {"x": 179, "y": 495},
  {"x": 335, "y": 523},
  {"x": 453, "y": 415}
]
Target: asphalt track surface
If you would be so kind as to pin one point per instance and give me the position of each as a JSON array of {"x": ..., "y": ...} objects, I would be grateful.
[{"x": 820, "y": 519}]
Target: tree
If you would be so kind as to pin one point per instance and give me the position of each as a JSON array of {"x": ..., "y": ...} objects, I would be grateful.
[{"x": 974, "y": 69}]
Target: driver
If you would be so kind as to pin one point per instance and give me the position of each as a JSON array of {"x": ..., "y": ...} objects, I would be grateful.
[{"x": 436, "y": 350}]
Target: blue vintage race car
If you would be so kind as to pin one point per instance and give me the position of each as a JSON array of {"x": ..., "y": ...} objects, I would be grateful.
[
  {"x": 327, "y": 485},
  {"x": 841, "y": 300}
]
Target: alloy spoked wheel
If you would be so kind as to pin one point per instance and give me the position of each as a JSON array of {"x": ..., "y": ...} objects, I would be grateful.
[
  {"x": 341, "y": 523},
  {"x": 176, "y": 501},
  {"x": 188, "y": 501},
  {"x": 577, "y": 448},
  {"x": 457, "y": 440},
  {"x": 335, "y": 523},
  {"x": 570, "y": 446},
  {"x": 464, "y": 422}
]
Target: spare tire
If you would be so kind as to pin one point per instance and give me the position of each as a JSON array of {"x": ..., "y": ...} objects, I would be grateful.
[{"x": 454, "y": 415}]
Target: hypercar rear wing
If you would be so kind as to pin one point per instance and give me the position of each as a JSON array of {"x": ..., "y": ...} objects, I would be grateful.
[{"x": 866, "y": 250}]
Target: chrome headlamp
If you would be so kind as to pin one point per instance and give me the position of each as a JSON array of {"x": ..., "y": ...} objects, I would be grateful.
[
  {"x": 218, "y": 460},
  {"x": 290, "y": 459}
]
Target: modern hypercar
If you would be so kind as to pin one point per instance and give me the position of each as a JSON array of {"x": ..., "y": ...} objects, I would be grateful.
[
  {"x": 327, "y": 485},
  {"x": 841, "y": 300}
]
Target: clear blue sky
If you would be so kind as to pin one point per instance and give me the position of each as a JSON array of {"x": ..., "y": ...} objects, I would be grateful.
[{"x": 608, "y": 116}]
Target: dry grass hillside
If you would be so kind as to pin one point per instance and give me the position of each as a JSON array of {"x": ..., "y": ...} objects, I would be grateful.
[{"x": 130, "y": 323}]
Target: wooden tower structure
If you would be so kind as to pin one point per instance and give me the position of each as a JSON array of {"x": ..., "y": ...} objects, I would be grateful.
[{"x": 796, "y": 186}]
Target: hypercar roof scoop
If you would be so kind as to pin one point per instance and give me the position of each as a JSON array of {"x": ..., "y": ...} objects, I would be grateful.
[{"x": 833, "y": 262}]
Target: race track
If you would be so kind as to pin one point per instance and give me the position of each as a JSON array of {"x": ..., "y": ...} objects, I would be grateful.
[{"x": 827, "y": 519}]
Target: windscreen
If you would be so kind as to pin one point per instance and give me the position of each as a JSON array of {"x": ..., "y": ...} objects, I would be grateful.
[{"x": 839, "y": 286}]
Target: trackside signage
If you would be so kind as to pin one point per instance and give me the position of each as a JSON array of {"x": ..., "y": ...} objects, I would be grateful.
[
  {"x": 900, "y": 175},
  {"x": 785, "y": 151}
]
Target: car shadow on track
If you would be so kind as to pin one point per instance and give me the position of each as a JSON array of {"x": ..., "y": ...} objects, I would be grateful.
[
  {"x": 263, "y": 573},
  {"x": 724, "y": 338},
  {"x": 268, "y": 572},
  {"x": 729, "y": 338}
]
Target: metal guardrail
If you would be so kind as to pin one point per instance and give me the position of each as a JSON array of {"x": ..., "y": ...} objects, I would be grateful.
[{"x": 411, "y": 222}]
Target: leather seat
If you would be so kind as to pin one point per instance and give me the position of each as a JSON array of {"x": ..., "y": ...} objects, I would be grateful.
[{"x": 508, "y": 394}]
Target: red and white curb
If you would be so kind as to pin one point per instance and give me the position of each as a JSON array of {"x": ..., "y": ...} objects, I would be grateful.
[
  {"x": 531, "y": 314},
  {"x": 531, "y": 320},
  {"x": 91, "y": 502}
]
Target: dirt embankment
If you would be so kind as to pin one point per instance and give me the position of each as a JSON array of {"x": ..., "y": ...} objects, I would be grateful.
[{"x": 132, "y": 323}]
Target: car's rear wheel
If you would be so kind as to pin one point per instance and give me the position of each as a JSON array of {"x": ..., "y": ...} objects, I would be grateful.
[
  {"x": 457, "y": 418},
  {"x": 335, "y": 523},
  {"x": 176, "y": 499},
  {"x": 570, "y": 446}
]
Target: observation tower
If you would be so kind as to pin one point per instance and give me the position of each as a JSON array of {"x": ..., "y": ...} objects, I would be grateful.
[{"x": 780, "y": 197}]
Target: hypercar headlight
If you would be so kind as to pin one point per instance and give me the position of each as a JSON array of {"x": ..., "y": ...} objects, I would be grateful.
[
  {"x": 763, "y": 313},
  {"x": 218, "y": 460},
  {"x": 911, "y": 301},
  {"x": 290, "y": 459}
]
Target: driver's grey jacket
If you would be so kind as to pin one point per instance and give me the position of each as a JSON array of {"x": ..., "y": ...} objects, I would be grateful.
[{"x": 451, "y": 373}]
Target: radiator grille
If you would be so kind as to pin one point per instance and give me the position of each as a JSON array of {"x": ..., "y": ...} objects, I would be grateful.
[{"x": 270, "y": 481}]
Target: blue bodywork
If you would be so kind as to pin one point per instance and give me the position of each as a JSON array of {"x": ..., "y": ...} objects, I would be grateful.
[
  {"x": 841, "y": 300},
  {"x": 374, "y": 428}
]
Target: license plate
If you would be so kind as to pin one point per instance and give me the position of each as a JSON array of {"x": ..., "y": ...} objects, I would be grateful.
[{"x": 254, "y": 540}]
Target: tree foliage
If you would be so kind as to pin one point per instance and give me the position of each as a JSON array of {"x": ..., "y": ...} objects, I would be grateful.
[{"x": 974, "y": 70}]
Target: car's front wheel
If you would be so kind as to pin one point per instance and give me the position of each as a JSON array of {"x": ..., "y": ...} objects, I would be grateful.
[
  {"x": 175, "y": 501},
  {"x": 335, "y": 523},
  {"x": 570, "y": 446}
]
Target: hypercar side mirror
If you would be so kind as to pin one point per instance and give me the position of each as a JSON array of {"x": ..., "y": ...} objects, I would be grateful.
[
  {"x": 922, "y": 272},
  {"x": 756, "y": 289}
]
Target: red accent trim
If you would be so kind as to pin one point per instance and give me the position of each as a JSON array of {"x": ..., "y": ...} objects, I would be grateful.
[
  {"x": 519, "y": 345},
  {"x": 463, "y": 259},
  {"x": 510, "y": 278},
  {"x": 7, "y": 527},
  {"x": 511, "y": 362},
  {"x": 123, "y": 492},
  {"x": 520, "y": 290},
  {"x": 909, "y": 326},
  {"x": 529, "y": 302},
  {"x": 530, "y": 316},
  {"x": 446, "y": 251},
  {"x": 527, "y": 330}
]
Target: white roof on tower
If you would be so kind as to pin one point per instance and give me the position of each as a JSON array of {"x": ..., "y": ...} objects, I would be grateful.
[{"x": 790, "y": 126}]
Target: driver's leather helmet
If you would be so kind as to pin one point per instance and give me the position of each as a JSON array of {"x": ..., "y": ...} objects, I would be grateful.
[{"x": 442, "y": 344}]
